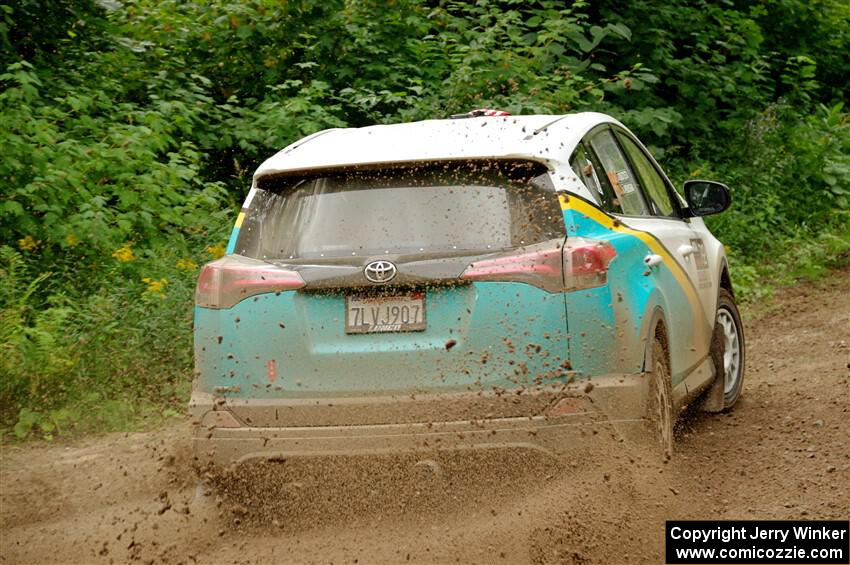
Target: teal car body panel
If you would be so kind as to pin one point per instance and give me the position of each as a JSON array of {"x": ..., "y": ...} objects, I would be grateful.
[{"x": 502, "y": 334}]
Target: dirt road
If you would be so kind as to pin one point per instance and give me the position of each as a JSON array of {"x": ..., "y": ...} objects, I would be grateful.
[{"x": 783, "y": 453}]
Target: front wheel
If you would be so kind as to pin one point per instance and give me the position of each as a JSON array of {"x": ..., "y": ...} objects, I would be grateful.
[{"x": 729, "y": 320}]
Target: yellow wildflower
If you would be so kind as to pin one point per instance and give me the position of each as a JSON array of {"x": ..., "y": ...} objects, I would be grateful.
[
  {"x": 187, "y": 265},
  {"x": 695, "y": 173},
  {"x": 28, "y": 243},
  {"x": 72, "y": 240},
  {"x": 217, "y": 250},
  {"x": 155, "y": 287},
  {"x": 124, "y": 253}
]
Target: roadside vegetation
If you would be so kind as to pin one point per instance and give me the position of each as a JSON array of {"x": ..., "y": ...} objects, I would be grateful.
[{"x": 130, "y": 130}]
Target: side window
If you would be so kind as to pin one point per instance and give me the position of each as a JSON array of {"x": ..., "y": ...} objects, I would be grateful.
[
  {"x": 588, "y": 169},
  {"x": 653, "y": 184},
  {"x": 627, "y": 194},
  {"x": 583, "y": 168}
]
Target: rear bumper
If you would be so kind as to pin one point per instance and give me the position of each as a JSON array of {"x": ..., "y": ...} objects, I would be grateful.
[{"x": 549, "y": 420}]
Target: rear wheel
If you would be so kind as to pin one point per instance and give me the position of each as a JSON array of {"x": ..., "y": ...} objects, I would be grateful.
[
  {"x": 659, "y": 411},
  {"x": 729, "y": 320}
]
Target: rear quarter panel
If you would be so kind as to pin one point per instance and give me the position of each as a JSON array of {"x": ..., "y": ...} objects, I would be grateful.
[{"x": 609, "y": 326}]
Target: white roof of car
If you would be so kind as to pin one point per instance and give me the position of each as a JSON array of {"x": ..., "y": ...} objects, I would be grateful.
[{"x": 546, "y": 138}]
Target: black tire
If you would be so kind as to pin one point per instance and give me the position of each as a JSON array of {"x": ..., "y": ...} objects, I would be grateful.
[
  {"x": 732, "y": 362},
  {"x": 659, "y": 407}
]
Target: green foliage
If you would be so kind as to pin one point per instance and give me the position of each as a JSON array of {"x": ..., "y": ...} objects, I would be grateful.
[
  {"x": 792, "y": 182},
  {"x": 36, "y": 352},
  {"x": 130, "y": 131},
  {"x": 92, "y": 173},
  {"x": 38, "y": 29},
  {"x": 103, "y": 358}
]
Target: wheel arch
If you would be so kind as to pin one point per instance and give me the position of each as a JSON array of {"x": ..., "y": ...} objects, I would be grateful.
[
  {"x": 725, "y": 281},
  {"x": 657, "y": 324}
]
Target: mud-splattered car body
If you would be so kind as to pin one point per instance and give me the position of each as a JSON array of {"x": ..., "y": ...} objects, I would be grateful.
[{"x": 525, "y": 341}]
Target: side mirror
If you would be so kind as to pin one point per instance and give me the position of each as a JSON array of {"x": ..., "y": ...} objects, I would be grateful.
[{"x": 706, "y": 197}]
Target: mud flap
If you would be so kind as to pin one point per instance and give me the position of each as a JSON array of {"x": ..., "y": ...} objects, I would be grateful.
[{"x": 713, "y": 399}]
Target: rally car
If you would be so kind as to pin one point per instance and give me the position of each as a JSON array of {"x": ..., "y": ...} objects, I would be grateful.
[{"x": 488, "y": 281}]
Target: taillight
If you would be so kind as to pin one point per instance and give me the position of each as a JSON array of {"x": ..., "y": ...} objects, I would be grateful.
[
  {"x": 586, "y": 263},
  {"x": 541, "y": 268},
  {"x": 231, "y": 279},
  {"x": 580, "y": 263}
]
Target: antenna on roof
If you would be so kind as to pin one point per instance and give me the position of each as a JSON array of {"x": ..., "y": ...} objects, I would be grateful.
[{"x": 479, "y": 113}]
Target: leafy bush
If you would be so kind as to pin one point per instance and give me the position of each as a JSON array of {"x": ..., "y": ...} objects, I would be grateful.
[
  {"x": 97, "y": 359},
  {"x": 36, "y": 351},
  {"x": 89, "y": 174}
]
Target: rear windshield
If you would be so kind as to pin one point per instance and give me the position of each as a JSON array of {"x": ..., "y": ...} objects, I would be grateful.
[{"x": 433, "y": 208}]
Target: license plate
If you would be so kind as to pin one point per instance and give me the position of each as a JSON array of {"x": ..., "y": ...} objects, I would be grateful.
[{"x": 374, "y": 314}]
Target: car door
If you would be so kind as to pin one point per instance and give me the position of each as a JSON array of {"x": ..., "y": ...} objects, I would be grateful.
[
  {"x": 642, "y": 201},
  {"x": 664, "y": 203}
]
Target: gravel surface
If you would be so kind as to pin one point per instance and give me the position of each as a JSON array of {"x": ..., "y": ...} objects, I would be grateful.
[{"x": 783, "y": 453}]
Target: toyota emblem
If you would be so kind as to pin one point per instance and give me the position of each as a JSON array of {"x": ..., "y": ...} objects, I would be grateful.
[{"x": 379, "y": 271}]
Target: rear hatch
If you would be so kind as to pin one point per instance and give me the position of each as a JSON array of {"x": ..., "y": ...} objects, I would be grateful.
[{"x": 436, "y": 277}]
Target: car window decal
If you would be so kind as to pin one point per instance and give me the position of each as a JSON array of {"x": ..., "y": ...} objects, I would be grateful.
[{"x": 615, "y": 183}]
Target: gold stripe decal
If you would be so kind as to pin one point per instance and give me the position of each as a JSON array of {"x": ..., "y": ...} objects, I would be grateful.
[
  {"x": 239, "y": 219},
  {"x": 606, "y": 221}
]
